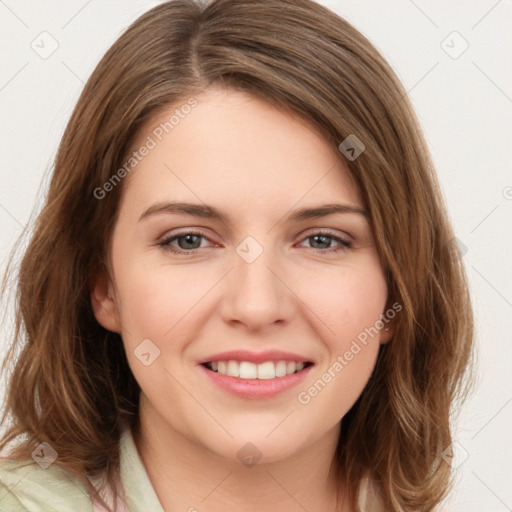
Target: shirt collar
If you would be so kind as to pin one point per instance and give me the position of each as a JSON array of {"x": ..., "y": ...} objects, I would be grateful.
[
  {"x": 138, "y": 490},
  {"x": 141, "y": 497}
]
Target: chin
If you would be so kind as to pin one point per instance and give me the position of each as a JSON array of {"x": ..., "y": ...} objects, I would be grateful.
[{"x": 258, "y": 448}]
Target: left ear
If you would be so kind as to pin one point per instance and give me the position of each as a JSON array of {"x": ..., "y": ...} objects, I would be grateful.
[{"x": 386, "y": 333}]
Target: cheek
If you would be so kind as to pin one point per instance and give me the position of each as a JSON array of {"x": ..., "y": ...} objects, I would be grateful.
[
  {"x": 333, "y": 393},
  {"x": 352, "y": 351},
  {"x": 157, "y": 304},
  {"x": 351, "y": 303},
  {"x": 346, "y": 301},
  {"x": 156, "y": 298}
]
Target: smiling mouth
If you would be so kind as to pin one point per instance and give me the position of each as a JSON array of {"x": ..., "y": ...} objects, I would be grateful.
[{"x": 262, "y": 371}]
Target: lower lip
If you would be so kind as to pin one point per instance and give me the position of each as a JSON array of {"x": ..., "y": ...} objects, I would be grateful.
[{"x": 256, "y": 389}]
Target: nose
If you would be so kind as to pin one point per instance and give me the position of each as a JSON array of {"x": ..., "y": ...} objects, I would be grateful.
[{"x": 256, "y": 294}]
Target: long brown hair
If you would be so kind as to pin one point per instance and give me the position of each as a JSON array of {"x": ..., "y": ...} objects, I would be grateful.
[{"x": 69, "y": 382}]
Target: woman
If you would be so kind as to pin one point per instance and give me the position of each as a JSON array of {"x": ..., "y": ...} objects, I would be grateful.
[{"x": 242, "y": 291}]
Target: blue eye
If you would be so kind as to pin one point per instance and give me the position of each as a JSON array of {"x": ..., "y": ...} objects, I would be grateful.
[
  {"x": 326, "y": 238},
  {"x": 190, "y": 242},
  {"x": 187, "y": 243}
]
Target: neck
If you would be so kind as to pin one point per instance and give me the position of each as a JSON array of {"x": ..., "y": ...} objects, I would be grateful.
[{"x": 189, "y": 477}]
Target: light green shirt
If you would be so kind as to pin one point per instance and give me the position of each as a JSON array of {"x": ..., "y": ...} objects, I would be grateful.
[{"x": 26, "y": 487}]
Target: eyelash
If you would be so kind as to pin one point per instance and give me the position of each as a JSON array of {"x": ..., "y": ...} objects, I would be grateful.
[{"x": 343, "y": 244}]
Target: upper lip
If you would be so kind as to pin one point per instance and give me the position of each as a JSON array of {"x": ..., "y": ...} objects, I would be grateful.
[{"x": 256, "y": 357}]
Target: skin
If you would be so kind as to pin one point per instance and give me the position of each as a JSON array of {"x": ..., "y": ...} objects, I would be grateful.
[{"x": 258, "y": 164}]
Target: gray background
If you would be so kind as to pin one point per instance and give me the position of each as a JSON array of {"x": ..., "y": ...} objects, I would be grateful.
[{"x": 463, "y": 100}]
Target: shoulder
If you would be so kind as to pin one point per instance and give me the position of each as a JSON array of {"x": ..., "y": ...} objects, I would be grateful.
[{"x": 27, "y": 487}]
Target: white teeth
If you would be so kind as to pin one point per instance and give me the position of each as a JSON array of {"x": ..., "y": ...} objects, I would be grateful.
[
  {"x": 248, "y": 370},
  {"x": 266, "y": 370},
  {"x": 281, "y": 369},
  {"x": 233, "y": 369},
  {"x": 290, "y": 367}
]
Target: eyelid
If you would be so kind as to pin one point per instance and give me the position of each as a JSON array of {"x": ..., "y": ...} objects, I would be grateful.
[
  {"x": 183, "y": 231},
  {"x": 167, "y": 237},
  {"x": 328, "y": 231},
  {"x": 345, "y": 242}
]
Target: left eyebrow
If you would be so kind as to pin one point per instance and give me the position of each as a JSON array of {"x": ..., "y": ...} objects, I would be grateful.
[
  {"x": 323, "y": 211},
  {"x": 210, "y": 212}
]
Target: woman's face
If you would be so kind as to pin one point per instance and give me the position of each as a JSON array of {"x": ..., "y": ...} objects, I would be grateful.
[{"x": 249, "y": 276}]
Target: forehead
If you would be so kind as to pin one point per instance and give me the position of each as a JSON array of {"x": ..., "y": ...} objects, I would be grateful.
[{"x": 235, "y": 150}]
